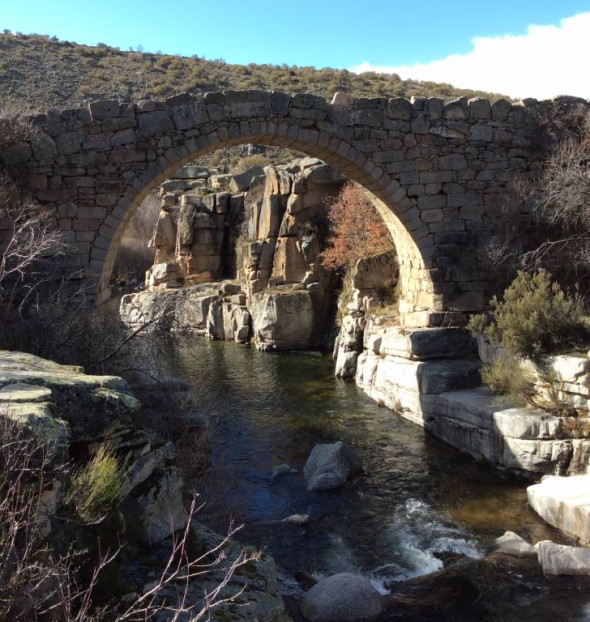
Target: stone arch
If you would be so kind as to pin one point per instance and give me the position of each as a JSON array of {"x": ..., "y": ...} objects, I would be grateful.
[
  {"x": 438, "y": 172},
  {"x": 414, "y": 277}
]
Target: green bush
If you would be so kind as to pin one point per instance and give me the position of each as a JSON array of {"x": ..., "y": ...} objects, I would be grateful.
[
  {"x": 535, "y": 317},
  {"x": 95, "y": 488},
  {"x": 506, "y": 377}
]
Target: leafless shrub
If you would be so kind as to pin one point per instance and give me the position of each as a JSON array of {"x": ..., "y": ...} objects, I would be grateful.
[
  {"x": 29, "y": 237},
  {"x": 37, "y": 582},
  {"x": 545, "y": 222}
]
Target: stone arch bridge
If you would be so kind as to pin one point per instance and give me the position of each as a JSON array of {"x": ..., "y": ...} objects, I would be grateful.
[{"x": 439, "y": 172}]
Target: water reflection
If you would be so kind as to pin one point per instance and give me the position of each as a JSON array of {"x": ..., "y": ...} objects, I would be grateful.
[{"x": 416, "y": 500}]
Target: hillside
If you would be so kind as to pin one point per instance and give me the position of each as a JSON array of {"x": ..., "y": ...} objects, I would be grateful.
[{"x": 44, "y": 72}]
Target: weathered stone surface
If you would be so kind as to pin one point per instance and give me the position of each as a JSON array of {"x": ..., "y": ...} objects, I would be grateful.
[
  {"x": 342, "y": 598},
  {"x": 330, "y": 466},
  {"x": 564, "y": 502},
  {"x": 159, "y": 505},
  {"x": 428, "y": 343},
  {"x": 242, "y": 182},
  {"x": 512, "y": 544},
  {"x": 153, "y": 123},
  {"x": 385, "y": 145},
  {"x": 559, "y": 559},
  {"x": 282, "y": 320},
  {"x": 346, "y": 363},
  {"x": 253, "y": 593},
  {"x": 90, "y": 405}
]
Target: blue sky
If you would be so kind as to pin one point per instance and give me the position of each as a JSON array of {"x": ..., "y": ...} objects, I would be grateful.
[{"x": 388, "y": 34}]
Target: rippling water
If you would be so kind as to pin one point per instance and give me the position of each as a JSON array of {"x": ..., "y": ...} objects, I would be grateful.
[{"x": 417, "y": 501}]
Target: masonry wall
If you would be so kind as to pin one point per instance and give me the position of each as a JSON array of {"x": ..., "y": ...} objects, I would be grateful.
[{"x": 440, "y": 172}]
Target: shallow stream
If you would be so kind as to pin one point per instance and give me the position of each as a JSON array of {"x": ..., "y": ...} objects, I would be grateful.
[{"x": 418, "y": 502}]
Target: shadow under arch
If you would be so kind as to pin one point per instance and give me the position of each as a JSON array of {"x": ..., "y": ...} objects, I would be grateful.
[{"x": 416, "y": 287}]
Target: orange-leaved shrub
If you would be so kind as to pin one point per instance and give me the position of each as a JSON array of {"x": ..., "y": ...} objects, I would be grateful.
[{"x": 356, "y": 229}]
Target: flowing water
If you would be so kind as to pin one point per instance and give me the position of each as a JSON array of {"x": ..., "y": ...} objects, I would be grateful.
[{"x": 418, "y": 500}]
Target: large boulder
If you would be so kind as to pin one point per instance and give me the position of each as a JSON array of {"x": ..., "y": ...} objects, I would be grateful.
[
  {"x": 342, "y": 598},
  {"x": 564, "y": 502},
  {"x": 282, "y": 319},
  {"x": 559, "y": 559},
  {"x": 92, "y": 406},
  {"x": 331, "y": 465}
]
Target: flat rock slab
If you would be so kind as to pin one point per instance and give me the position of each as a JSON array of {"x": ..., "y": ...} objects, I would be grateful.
[
  {"x": 564, "y": 502},
  {"x": 429, "y": 343},
  {"x": 559, "y": 559},
  {"x": 22, "y": 392}
]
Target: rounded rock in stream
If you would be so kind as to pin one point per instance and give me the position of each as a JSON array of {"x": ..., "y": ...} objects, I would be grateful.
[
  {"x": 342, "y": 598},
  {"x": 331, "y": 466}
]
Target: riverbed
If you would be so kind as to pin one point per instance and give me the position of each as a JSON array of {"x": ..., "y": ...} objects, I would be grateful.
[{"x": 418, "y": 504}]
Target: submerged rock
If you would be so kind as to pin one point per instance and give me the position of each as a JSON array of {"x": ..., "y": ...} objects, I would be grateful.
[
  {"x": 342, "y": 598},
  {"x": 281, "y": 470},
  {"x": 297, "y": 519},
  {"x": 331, "y": 466}
]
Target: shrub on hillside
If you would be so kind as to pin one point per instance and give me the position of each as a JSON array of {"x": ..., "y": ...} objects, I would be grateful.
[{"x": 534, "y": 317}]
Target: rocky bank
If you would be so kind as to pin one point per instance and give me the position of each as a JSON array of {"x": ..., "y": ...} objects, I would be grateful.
[{"x": 75, "y": 413}]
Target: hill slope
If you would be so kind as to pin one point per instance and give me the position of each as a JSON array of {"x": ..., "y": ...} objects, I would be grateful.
[{"x": 44, "y": 72}]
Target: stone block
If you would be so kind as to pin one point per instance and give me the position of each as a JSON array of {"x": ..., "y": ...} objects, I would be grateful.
[
  {"x": 452, "y": 162},
  {"x": 104, "y": 109},
  {"x": 428, "y": 343},
  {"x": 70, "y": 142},
  {"x": 500, "y": 110},
  {"x": 153, "y": 123},
  {"x": 480, "y": 132},
  {"x": 280, "y": 103},
  {"x": 457, "y": 109},
  {"x": 399, "y": 108},
  {"x": 479, "y": 108}
]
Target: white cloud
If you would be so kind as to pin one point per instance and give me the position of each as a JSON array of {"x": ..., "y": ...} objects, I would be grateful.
[{"x": 546, "y": 61}]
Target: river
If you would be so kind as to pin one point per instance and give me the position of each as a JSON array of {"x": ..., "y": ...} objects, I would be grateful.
[{"x": 417, "y": 503}]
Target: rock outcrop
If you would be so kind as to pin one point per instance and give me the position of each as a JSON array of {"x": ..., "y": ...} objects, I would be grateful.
[
  {"x": 62, "y": 405},
  {"x": 75, "y": 413},
  {"x": 265, "y": 238},
  {"x": 372, "y": 284}
]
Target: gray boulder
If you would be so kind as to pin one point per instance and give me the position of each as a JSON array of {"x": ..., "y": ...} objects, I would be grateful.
[
  {"x": 559, "y": 559},
  {"x": 512, "y": 544},
  {"x": 282, "y": 320},
  {"x": 331, "y": 466},
  {"x": 342, "y": 598}
]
